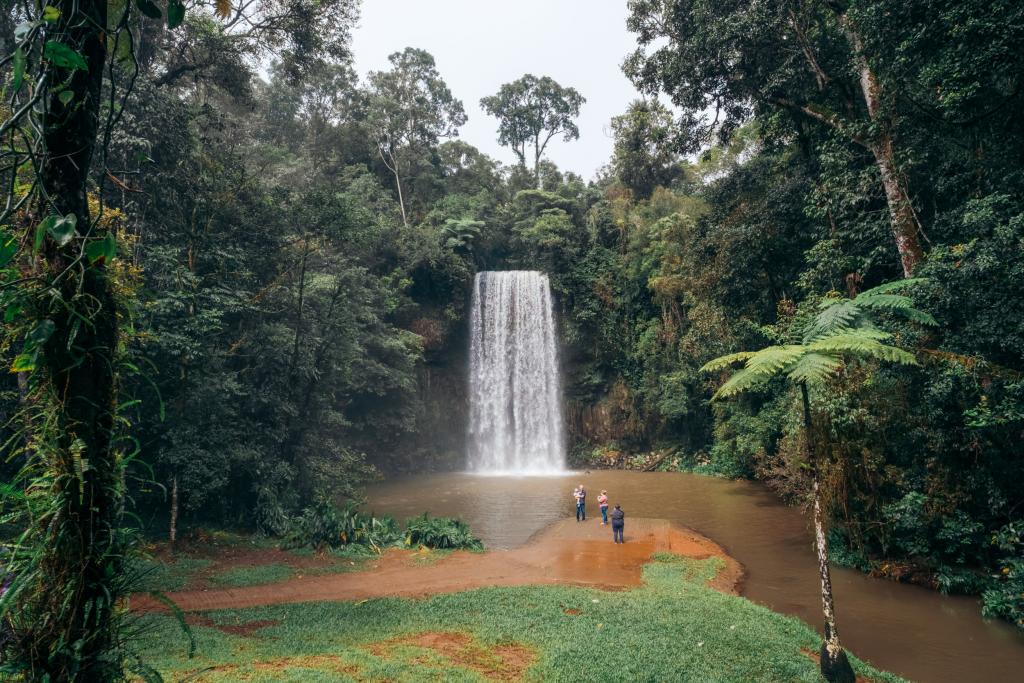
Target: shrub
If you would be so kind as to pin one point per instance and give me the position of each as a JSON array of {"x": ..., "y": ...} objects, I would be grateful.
[
  {"x": 324, "y": 525},
  {"x": 1005, "y": 599},
  {"x": 440, "y": 532}
]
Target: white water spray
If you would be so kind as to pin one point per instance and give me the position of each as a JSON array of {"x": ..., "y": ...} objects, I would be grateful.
[{"x": 515, "y": 392}]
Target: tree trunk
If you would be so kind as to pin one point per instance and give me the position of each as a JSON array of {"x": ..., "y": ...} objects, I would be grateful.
[
  {"x": 80, "y": 540},
  {"x": 902, "y": 218},
  {"x": 174, "y": 512},
  {"x": 401, "y": 199},
  {"x": 835, "y": 667}
]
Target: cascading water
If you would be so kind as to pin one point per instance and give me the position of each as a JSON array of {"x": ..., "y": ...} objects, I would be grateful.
[{"x": 515, "y": 393}]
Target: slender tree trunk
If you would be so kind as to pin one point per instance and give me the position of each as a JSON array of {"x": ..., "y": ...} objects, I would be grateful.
[
  {"x": 835, "y": 667},
  {"x": 393, "y": 167},
  {"x": 174, "y": 511},
  {"x": 903, "y": 220},
  {"x": 401, "y": 199},
  {"x": 299, "y": 305},
  {"x": 538, "y": 154}
]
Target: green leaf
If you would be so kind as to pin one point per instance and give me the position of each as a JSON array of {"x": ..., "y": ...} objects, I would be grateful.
[
  {"x": 723, "y": 362},
  {"x": 50, "y": 14},
  {"x": 12, "y": 312},
  {"x": 175, "y": 13},
  {"x": 39, "y": 334},
  {"x": 8, "y": 248},
  {"x": 62, "y": 229},
  {"x": 813, "y": 368},
  {"x": 148, "y": 8},
  {"x": 63, "y": 56},
  {"x": 24, "y": 362},
  {"x": 66, "y": 96},
  {"x": 44, "y": 226},
  {"x": 102, "y": 250},
  {"x": 19, "y": 70}
]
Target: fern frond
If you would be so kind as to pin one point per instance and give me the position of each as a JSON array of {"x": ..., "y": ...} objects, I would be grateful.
[
  {"x": 743, "y": 380},
  {"x": 834, "y": 316},
  {"x": 774, "y": 359},
  {"x": 725, "y": 361},
  {"x": 894, "y": 286},
  {"x": 892, "y": 302},
  {"x": 863, "y": 344},
  {"x": 813, "y": 368},
  {"x": 896, "y": 303},
  {"x": 920, "y": 317},
  {"x": 761, "y": 366}
]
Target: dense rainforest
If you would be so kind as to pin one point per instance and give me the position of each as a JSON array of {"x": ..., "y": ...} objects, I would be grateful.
[{"x": 287, "y": 252}]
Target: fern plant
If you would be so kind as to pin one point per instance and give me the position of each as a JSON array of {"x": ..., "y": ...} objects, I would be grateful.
[{"x": 842, "y": 330}]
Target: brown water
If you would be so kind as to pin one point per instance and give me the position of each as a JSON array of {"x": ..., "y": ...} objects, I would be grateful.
[{"x": 911, "y": 631}]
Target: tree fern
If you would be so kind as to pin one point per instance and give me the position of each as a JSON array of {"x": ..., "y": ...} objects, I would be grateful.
[
  {"x": 842, "y": 329},
  {"x": 723, "y": 362},
  {"x": 814, "y": 368}
]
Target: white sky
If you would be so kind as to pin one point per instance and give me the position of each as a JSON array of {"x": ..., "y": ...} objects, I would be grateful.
[{"x": 480, "y": 44}]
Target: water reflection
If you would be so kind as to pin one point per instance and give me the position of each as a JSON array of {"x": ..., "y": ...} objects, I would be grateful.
[{"x": 909, "y": 630}]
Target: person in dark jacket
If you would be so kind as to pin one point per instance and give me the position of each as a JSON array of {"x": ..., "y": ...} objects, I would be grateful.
[{"x": 618, "y": 524}]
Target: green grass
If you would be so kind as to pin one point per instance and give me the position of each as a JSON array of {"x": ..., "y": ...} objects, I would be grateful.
[
  {"x": 252, "y": 576},
  {"x": 671, "y": 629},
  {"x": 157, "y": 575}
]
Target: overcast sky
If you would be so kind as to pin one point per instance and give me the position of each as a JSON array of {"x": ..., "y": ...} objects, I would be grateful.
[{"x": 480, "y": 44}]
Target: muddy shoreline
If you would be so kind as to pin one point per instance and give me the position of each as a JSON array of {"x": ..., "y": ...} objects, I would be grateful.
[{"x": 569, "y": 553}]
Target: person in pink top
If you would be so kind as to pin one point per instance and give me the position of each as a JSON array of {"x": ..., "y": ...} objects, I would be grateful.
[{"x": 602, "y": 501}]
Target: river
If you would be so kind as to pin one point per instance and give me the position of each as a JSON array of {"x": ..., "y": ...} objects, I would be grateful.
[{"x": 909, "y": 630}]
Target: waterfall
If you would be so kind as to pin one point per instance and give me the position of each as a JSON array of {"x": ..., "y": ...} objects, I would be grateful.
[{"x": 515, "y": 393}]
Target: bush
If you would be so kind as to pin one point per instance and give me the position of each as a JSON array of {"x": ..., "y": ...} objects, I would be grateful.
[
  {"x": 440, "y": 532},
  {"x": 1005, "y": 599},
  {"x": 324, "y": 525}
]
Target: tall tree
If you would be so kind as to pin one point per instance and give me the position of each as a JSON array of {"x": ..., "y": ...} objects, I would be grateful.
[
  {"x": 842, "y": 330},
  {"x": 410, "y": 108},
  {"x": 644, "y": 155},
  {"x": 59, "y": 292},
  {"x": 806, "y": 58},
  {"x": 530, "y": 112}
]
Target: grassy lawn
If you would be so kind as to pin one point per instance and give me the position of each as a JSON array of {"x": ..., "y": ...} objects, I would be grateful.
[
  {"x": 671, "y": 629},
  {"x": 252, "y": 576},
  {"x": 157, "y": 575},
  {"x": 229, "y": 560}
]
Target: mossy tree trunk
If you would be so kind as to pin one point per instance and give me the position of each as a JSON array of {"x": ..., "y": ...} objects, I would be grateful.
[{"x": 79, "y": 538}]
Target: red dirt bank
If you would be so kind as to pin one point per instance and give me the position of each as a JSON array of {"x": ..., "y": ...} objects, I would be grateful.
[{"x": 567, "y": 553}]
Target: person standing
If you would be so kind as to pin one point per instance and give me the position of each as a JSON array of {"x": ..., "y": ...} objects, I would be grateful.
[
  {"x": 602, "y": 502},
  {"x": 581, "y": 503},
  {"x": 618, "y": 524}
]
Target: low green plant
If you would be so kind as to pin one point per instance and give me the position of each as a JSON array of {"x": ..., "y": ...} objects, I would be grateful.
[
  {"x": 440, "y": 532},
  {"x": 1005, "y": 599},
  {"x": 325, "y": 526}
]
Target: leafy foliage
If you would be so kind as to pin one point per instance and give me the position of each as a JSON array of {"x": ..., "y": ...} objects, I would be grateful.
[{"x": 326, "y": 526}]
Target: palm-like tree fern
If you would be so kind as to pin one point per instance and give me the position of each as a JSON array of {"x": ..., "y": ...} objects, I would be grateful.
[{"x": 842, "y": 330}]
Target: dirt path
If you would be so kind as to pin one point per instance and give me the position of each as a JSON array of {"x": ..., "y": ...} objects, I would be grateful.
[{"x": 567, "y": 553}]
